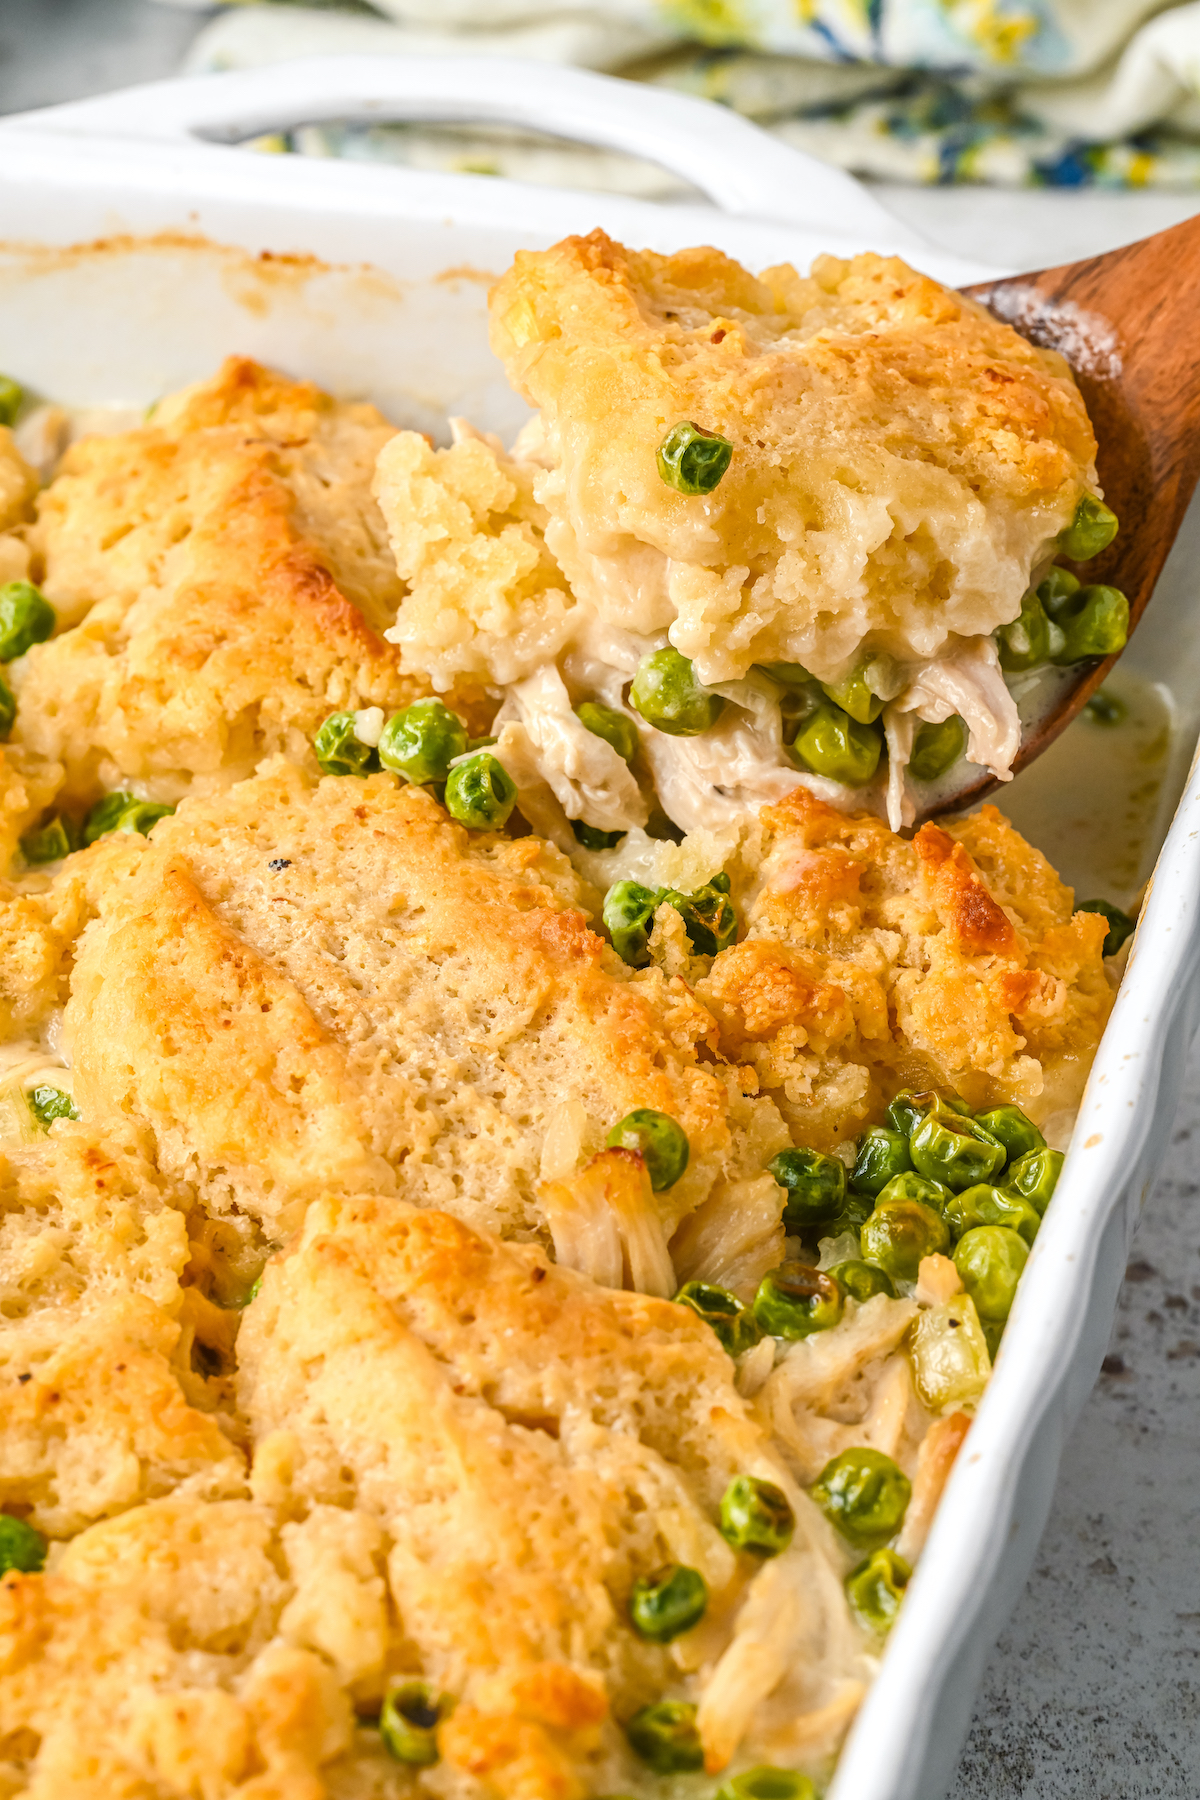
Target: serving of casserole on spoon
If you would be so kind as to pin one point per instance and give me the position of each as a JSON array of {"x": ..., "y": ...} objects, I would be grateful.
[{"x": 851, "y": 531}]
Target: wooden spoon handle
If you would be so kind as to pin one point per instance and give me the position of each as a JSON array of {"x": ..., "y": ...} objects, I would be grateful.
[{"x": 1128, "y": 323}]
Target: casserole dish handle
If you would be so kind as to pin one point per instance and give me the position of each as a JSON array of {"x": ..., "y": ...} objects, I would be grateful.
[{"x": 741, "y": 168}]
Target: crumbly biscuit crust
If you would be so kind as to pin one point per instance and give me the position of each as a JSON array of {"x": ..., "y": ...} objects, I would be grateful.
[
  {"x": 224, "y": 578},
  {"x": 873, "y": 963},
  {"x": 335, "y": 1347},
  {"x": 900, "y": 458}
]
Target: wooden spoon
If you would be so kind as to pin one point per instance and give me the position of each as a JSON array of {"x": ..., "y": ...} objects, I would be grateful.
[{"x": 1128, "y": 323}]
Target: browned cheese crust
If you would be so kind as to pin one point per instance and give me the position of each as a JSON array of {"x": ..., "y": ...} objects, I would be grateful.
[
  {"x": 222, "y": 579},
  {"x": 99, "y": 1406},
  {"x": 401, "y": 1004},
  {"x": 523, "y": 1437},
  {"x": 149, "y": 1665},
  {"x": 873, "y": 963},
  {"x": 900, "y": 457},
  {"x": 504, "y": 1443}
]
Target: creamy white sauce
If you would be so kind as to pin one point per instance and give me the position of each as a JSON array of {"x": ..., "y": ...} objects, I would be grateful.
[
  {"x": 24, "y": 1065},
  {"x": 626, "y": 607},
  {"x": 1098, "y": 802}
]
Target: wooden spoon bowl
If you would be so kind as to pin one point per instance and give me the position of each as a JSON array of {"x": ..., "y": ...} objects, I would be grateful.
[{"x": 1128, "y": 323}]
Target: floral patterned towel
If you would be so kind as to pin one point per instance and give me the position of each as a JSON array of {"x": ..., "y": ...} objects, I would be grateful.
[{"x": 1061, "y": 93}]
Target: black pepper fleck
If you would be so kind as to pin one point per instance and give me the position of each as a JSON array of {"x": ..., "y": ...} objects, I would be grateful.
[{"x": 280, "y": 862}]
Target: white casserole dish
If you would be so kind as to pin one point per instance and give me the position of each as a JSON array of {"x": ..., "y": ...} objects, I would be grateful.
[{"x": 117, "y": 320}]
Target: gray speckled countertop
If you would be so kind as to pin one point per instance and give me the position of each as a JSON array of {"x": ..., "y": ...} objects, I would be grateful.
[{"x": 1094, "y": 1689}]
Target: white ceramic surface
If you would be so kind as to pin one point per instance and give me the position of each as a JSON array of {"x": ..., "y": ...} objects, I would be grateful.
[{"x": 119, "y": 321}]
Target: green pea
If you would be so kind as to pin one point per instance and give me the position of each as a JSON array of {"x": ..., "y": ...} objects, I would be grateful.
[
  {"x": 1120, "y": 925},
  {"x": 659, "y": 1141},
  {"x": 693, "y": 460},
  {"x": 1091, "y": 530},
  {"x": 1012, "y": 1128},
  {"x": 832, "y": 744},
  {"x": 1027, "y": 641},
  {"x": 756, "y": 1516},
  {"x": 480, "y": 792},
  {"x": 408, "y": 1722},
  {"x": 899, "y": 1233},
  {"x": 986, "y": 1204},
  {"x": 937, "y": 748},
  {"x": 795, "y": 1300},
  {"x": 664, "y": 1735},
  {"x": 1106, "y": 709},
  {"x": 862, "y": 1280},
  {"x": 733, "y": 1322},
  {"x": 789, "y": 675},
  {"x": 666, "y": 1604},
  {"x": 767, "y": 1783},
  {"x": 616, "y": 728},
  {"x": 339, "y": 751},
  {"x": 882, "y": 1153},
  {"x": 815, "y": 1185},
  {"x": 241, "y": 1299},
  {"x": 876, "y": 1588},
  {"x": 48, "y": 1103},
  {"x": 628, "y": 916},
  {"x": 908, "y": 1108},
  {"x": 990, "y": 1260},
  {"x": 708, "y": 916},
  {"x": 993, "y": 1332},
  {"x": 1034, "y": 1177},
  {"x": 8, "y": 708},
  {"x": 906, "y": 1111},
  {"x": 421, "y": 741},
  {"x": 144, "y": 815},
  {"x": 864, "y": 1495},
  {"x": 949, "y": 1354},
  {"x": 911, "y": 1186},
  {"x": 121, "y": 811},
  {"x": 592, "y": 838},
  {"x": 855, "y": 696},
  {"x": 1056, "y": 589},
  {"x": 1094, "y": 623},
  {"x": 21, "y": 1546},
  {"x": 796, "y": 709},
  {"x": 106, "y": 815},
  {"x": 51, "y": 841},
  {"x": 11, "y": 396},
  {"x": 853, "y": 1216},
  {"x": 954, "y": 1150},
  {"x": 26, "y": 618},
  {"x": 668, "y": 696}
]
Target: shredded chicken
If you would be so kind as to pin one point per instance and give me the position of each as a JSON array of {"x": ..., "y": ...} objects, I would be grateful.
[
  {"x": 604, "y": 1224},
  {"x": 968, "y": 680},
  {"x": 764, "y": 1642},
  {"x": 935, "y": 1459}
]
